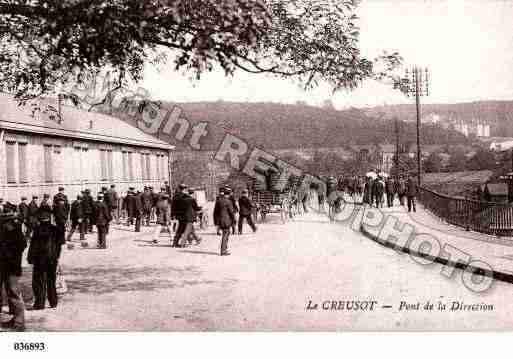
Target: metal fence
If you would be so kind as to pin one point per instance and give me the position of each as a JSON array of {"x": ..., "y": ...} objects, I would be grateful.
[{"x": 484, "y": 217}]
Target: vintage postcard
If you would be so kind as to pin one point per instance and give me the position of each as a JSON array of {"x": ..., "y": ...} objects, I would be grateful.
[{"x": 255, "y": 165}]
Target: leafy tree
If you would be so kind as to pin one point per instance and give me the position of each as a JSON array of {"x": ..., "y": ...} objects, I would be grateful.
[
  {"x": 433, "y": 163},
  {"x": 482, "y": 160},
  {"x": 457, "y": 161},
  {"x": 45, "y": 43}
]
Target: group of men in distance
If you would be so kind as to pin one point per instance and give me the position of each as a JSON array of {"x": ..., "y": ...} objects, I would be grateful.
[{"x": 376, "y": 190}]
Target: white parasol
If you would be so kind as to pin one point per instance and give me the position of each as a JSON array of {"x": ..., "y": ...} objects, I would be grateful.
[{"x": 371, "y": 174}]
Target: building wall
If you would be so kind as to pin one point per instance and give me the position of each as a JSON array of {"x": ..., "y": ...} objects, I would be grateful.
[{"x": 75, "y": 165}]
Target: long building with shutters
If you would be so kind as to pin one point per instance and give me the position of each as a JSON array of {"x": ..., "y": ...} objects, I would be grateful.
[{"x": 43, "y": 150}]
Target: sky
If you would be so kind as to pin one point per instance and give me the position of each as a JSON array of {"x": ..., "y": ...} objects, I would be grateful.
[{"x": 466, "y": 44}]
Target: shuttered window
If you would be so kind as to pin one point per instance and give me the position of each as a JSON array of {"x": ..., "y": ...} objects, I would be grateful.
[
  {"x": 148, "y": 167},
  {"x": 48, "y": 163},
  {"x": 124, "y": 157},
  {"x": 103, "y": 165},
  {"x": 10, "y": 153},
  {"x": 110, "y": 165},
  {"x": 130, "y": 167},
  {"x": 22, "y": 162}
]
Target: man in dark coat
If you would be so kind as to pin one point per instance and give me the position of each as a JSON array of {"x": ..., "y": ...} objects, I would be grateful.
[
  {"x": 228, "y": 191},
  {"x": 147, "y": 204},
  {"x": 378, "y": 190},
  {"x": 130, "y": 206},
  {"x": 23, "y": 210},
  {"x": 225, "y": 215},
  {"x": 87, "y": 206},
  {"x": 163, "y": 219},
  {"x": 401, "y": 190},
  {"x": 12, "y": 245},
  {"x": 246, "y": 211},
  {"x": 45, "y": 208},
  {"x": 154, "y": 201},
  {"x": 411, "y": 193},
  {"x": 390, "y": 191},
  {"x": 183, "y": 211},
  {"x": 114, "y": 202},
  {"x": 102, "y": 219},
  {"x": 61, "y": 212},
  {"x": 44, "y": 253},
  {"x": 196, "y": 211},
  {"x": 32, "y": 220},
  {"x": 77, "y": 218}
]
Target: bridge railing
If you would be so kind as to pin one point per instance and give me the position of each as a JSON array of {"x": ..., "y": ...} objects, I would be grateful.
[{"x": 484, "y": 217}]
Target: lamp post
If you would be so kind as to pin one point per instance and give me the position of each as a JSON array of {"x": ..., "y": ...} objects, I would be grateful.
[{"x": 415, "y": 83}]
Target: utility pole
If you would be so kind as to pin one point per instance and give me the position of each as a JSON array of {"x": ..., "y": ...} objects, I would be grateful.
[{"x": 416, "y": 83}]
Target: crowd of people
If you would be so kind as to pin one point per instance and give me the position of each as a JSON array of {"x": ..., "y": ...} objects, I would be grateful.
[
  {"x": 379, "y": 190},
  {"x": 42, "y": 226}
]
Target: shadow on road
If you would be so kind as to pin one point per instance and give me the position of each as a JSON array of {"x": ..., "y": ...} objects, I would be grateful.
[
  {"x": 201, "y": 252},
  {"x": 101, "y": 280}
]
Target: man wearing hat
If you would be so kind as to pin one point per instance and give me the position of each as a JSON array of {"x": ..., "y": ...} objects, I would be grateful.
[
  {"x": 32, "y": 220},
  {"x": 44, "y": 253},
  {"x": 12, "y": 245},
  {"x": 61, "y": 209},
  {"x": 229, "y": 193},
  {"x": 220, "y": 195},
  {"x": 147, "y": 204},
  {"x": 224, "y": 213},
  {"x": 45, "y": 208},
  {"x": 87, "y": 207},
  {"x": 182, "y": 210},
  {"x": 246, "y": 211},
  {"x": 196, "y": 212},
  {"x": 77, "y": 218},
  {"x": 113, "y": 200},
  {"x": 162, "y": 216},
  {"x": 23, "y": 215},
  {"x": 102, "y": 218},
  {"x": 130, "y": 206}
]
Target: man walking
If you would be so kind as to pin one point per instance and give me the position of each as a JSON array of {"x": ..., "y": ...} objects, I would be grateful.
[
  {"x": 162, "y": 217},
  {"x": 225, "y": 214},
  {"x": 411, "y": 193},
  {"x": 130, "y": 206},
  {"x": 32, "y": 220},
  {"x": 147, "y": 204},
  {"x": 390, "y": 191},
  {"x": 231, "y": 197},
  {"x": 45, "y": 208},
  {"x": 12, "y": 245},
  {"x": 102, "y": 219},
  {"x": 44, "y": 253},
  {"x": 196, "y": 209},
  {"x": 401, "y": 190},
  {"x": 23, "y": 210},
  {"x": 246, "y": 211},
  {"x": 61, "y": 212},
  {"x": 378, "y": 189},
  {"x": 184, "y": 213},
  {"x": 87, "y": 201},
  {"x": 114, "y": 202},
  {"x": 77, "y": 218}
]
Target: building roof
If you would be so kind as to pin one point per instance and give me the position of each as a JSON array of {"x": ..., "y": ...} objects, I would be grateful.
[
  {"x": 75, "y": 123},
  {"x": 497, "y": 189}
]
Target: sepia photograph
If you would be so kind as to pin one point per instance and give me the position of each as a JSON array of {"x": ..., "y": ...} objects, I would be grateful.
[{"x": 255, "y": 166}]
